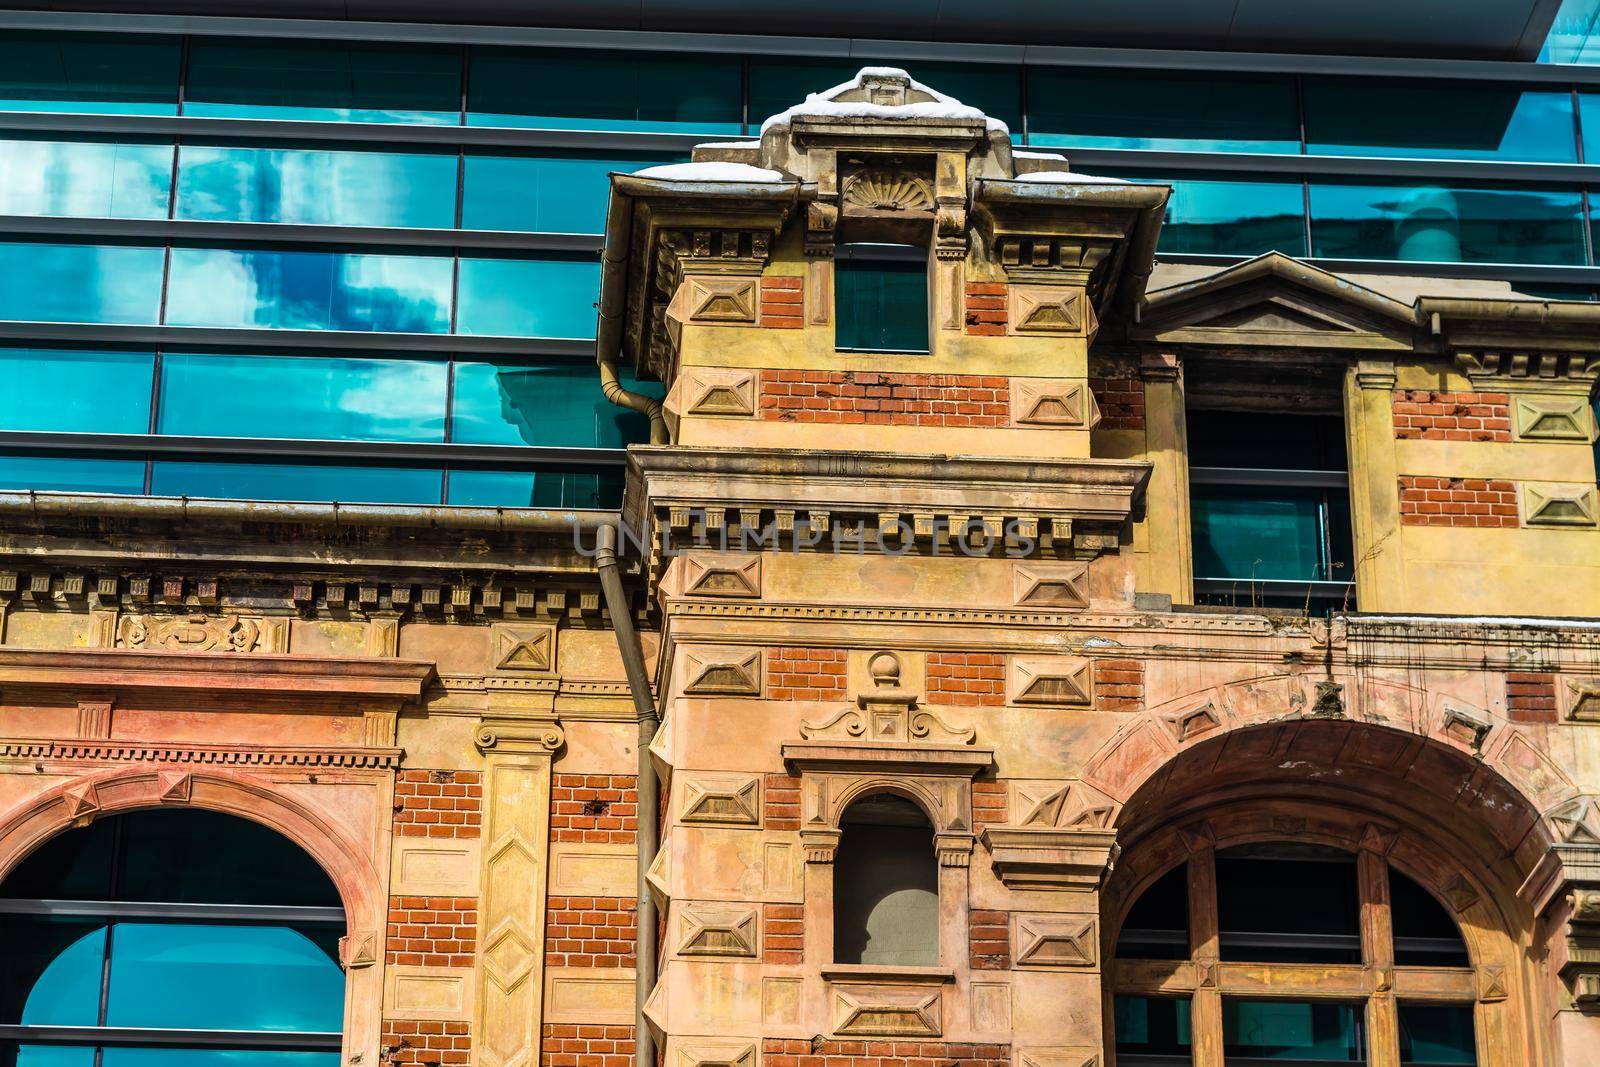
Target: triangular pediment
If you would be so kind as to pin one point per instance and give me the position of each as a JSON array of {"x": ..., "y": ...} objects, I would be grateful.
[{"x": 1276, "y": 300}]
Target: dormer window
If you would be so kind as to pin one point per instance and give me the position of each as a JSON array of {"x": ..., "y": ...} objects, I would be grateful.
[{"x": 881, "y": 298}]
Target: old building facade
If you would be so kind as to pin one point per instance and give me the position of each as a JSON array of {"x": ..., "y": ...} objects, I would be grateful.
[{"x": 1018, "y": 654}]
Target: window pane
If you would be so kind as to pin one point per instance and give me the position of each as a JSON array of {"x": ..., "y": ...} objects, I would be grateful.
[
  {"x": 48, "y": 1055},
  {"x": 542, "y": 193},
  {"x": 52, "y": 972},
  {"x": 204, "y": 857},
  {"x": 528, "y": 297},
  {"x": 309, "y": 291},
  {"x": 1152, "y": 1027},
  {"x": 324, "y": 81},
  {"x": 1457, "y": 120},
  {"x": 1206, "y": 112},
  {"x": 1439, "y": 224},
  {"x": 1235, "y": 438},
  {"x": 603, "y": 91},
  {"x": 88, "y": 179},
  {"x": 225, "y": 977},
  {"x": 881, "y": 305},
  {"x": 316, "y": 188},
  {"x": 303, "y": 396},
  {"x": 549, "y": 404},
  {"x": 68, "y": 866},
  {"x": 90, "y": 392},
  {"x": 1283, "y": 1030},
  {"x": 779, "y": 84},
  {"x": 1424, "y": 933},
  {"x": 1437, "y": 1035},
  {"x": 89, "y": 73},
  {"x": 80, "y": 283},
  {"x": 535, "y": 489},
  {"x": 70, "y": 474},
  {"x": 1250, "y": 532},
  {"x": 208, "y": 1057},
  {"x": 1157, "y": 926},
  {"x": 1292, "y": 904},
  {"x": 287, "y": 481}
]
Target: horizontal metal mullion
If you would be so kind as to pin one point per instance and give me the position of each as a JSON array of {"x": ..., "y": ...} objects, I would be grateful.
[
  {"x": 124, "y": 910},
  {"x": 258, "y": 233},
  {"x": 162, "y": 1038},
  {"x": 264, "y": 447},
  {"x": 345, "y": 340},
  {"x": 1265, "y": 477},
  {"x": 1509, "y": 272},
  {"x": 1330, "y": 166},
  {"x": 1274, "y": 586},
  {"x": 377, "y": 133}
]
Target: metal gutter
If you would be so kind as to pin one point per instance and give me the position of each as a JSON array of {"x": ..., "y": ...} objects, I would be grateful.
[{"x": 341, "y": 340}]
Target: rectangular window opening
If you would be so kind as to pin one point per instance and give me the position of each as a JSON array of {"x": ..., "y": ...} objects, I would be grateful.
[{"x": 881, "y": 299}]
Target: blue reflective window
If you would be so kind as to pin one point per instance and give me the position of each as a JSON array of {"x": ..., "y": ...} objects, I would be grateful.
[
  {"x": 535, "y": 489},
  {"x": 557, "y": 194},
  {"x": 309, "y": 290},
  {"x": 80, "y": 283},
  {"x": 1201, "y": 112},
  {"x": 542, "y": 404},
  {"x": 90, "y": 392},
  {"x": 881, "y": 305},
  {"x": 85, "y": 179},
  {"x": 1589, "y": 118},
  {"x": 89, "y": 73},
  {"x": 1437, "y": 119},
  {"x": 316, "y": 188},
  {"x": 1277, "y": 533},
  {"x": 1152, "y": 1026},
  {"x": 1232, "y": 217},
  {"x": 52, "y": 972},
  {"x": 324, "y": 81},
  {"x": 303, "y": 396},
  {"x": 604, "y": 91},
  {"x": 70, "y": 474},
  {"x": 1489, "y": 224},
  {"x": 295, "y": 482},
  {"x": 778, "y": 84},
  {"x": 1292, "y": 1030},
  {"x": 528, "y": 297},
  {"x": 1437, "y": 1035}
]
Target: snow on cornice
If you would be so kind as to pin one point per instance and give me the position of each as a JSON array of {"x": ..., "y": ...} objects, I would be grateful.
[
  {"x": 1068, "y": 177},
  {"x": 823, "y": 104},
  {"x": 711, "y": 172}
]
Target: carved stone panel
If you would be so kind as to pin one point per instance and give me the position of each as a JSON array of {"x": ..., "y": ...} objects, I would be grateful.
[
  {"x": 1057, "y": 309},
  {"x": 1061, "y": 586},
  {"x": 1551, "y": 418},
  {"x": 722, "y": 575},
  {"x": 720, "y": 391},
  {"x": 732, "y": 799},
  {"x": 1054, "y": 940},
  {"x": 524, "y": 648},
  {"x": 722, "y": 672},
  {"x": 1051, "y": 680},
  {"x": 721, "y": 301},
  {"x": 887, "y": 1009},
  {"x": 707, "y": 929},
  {"x": 713, "y": 1052},
  {"x": 1554, "y": 504},
  {"x": 1582, "y": 699},
  {"x": 203, "y": 633}
]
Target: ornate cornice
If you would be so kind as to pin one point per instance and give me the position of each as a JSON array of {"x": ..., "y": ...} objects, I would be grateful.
[{"x": 343, "y": 757}]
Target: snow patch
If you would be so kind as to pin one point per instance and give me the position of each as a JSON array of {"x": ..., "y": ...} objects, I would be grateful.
[
  {"x": 1024, "y": 153},
  {"x": 710, "y": 172},
  {"x": 729, "y": 144},
  {"x": 1068, "y": 177},
  {"x": 940, "y": 107}
]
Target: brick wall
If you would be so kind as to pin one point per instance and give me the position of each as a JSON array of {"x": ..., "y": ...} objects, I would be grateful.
[
  {"x": 585, "y": 1045},
  {"x": 879, "y": 1052},
  {"x": 1427, "y": 415},
  {"x": 438, "y": 803},
  {"x": 986, "y": 309},
  {"x": 879, "y": 399},
  {"x": 989, "y": 939},
  {"x": 594, "y": 808},
  {"x": 989, "y": 803},
  {"x": 782, "y": 303},
  {"x": 433, "y": 931},
  {"x": 426, "y": 1043},
  {"x": 1530, "y": 698},
  {"x": 783, "y": 933},
  {"x": 806, "y": 674},
  {"x": 1119, "y": 684},
  {"x": 1457, "y": 502},
  {"x": 783, "y": 802},
  {"x": 969, "y": 679},
  {"x": 590, "y": 931},
  {"x": 1121, "y": 402}
]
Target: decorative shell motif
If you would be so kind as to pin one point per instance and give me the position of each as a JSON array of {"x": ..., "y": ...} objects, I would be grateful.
[{"x": 887, "y": 190}]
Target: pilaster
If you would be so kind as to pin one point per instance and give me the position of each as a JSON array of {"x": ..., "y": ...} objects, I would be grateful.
[
  {"x": 1171, "y": 561},
  {"x": 1380, "y": 572}
]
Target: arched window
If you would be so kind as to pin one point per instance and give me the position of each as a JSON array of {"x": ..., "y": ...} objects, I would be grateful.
[
  {"x": 1269, "y": 953},
  {"x": 175, "y": 938},
  {"x": 886, "y": 886}
]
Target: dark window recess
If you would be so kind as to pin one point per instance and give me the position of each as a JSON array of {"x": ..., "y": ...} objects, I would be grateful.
[
  {"x": 1157, "y": 926},
  {"x": 1152, "y": 1026},
  {"x": 1292, "y": 1032},
  {"x": 1424, "y": 933},
  {"x": 1437, "y": 1035},
  {"x": 880, "y": 304},
  {"x": 886, "y": 886},
  {"x": 1288, "y": 904}
]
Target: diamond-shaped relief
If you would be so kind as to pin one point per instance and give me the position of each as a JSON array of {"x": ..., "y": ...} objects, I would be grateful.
[
  {"x": 722, "y": 575},
  {"x": 718, "y": 930},
  {"x": 733, "y": 799},
  {"x": 722, "y": 300},
  {"x": 81, "y": 800},
  {"x": 524, "y": 648},
  {"x": 1459, "y": 892},
  {"x": 720, "y": 391},
  {"x": 1048, "y": 309},
  {"x": 174, "y": 787},
  {"x": 886, "y": 1012},
  {"x": 1577, "y": 822},
  {"x": 713, "y": 1052},
  {"x": 722, "y": 672},
  {"x": 509, "y": 958},
  {"x": 1051, "y": 585},
  {"x": 1552, "y": 504},
  {"x": 1055, "y": 402},
  {"x": 1055, "y": 940},
  {"x": 1562, "y": 418},
  {"x": 1193, "y": 723}
]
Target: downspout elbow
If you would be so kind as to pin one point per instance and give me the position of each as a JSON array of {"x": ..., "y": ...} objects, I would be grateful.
[{"x": 648, "y": 406}]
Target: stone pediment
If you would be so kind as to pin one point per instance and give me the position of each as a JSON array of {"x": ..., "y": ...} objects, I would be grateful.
[{"x": 1276, "y": 300}]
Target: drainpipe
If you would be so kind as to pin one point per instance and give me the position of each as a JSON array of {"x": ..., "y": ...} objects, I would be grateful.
[
  {"x": 648, "y": 833},
  {"x": 613, "y": 304}
]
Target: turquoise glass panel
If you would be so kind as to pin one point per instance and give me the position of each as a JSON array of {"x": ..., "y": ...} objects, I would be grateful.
[
  {"x": 542, "y": 193},
  {"x": 224, "y": 978},
  {"x": 50, "y": 1056},
  {"x": 881, "y": 306},
  {"x": 1447, "y": 224},
  {"x": 87, "y": 73},
  {"x": 528, "y": 297},
  {"x": 52, "y": 972},
  {"x": 1437, "y": 1035},
  {"x": 211, "y": 1057},
  {"x": 542, "y": 404},
  {"x": 1247, "y": 532},
  {"x": 70, "y": 474},
  {"x": 331, "y": 82},
  {"x": 779, "y": 84},
  {"x": 1572, "y": 34},
  {"x": 1171, "y": 111},
  {"x": 604, "y": 91},
  {"x": 309, "y": 290},
  {"x": 1284, "y": 1030},
  {"x": 1232, "y": 217},
  {"x": 1437, "y": 119},
  {"x": 90, "y": 392},
  {"x": 88, "y": 179},
  {"x": 535, "y": 489},
  {"x": 204, "y": 857},
  {"x": 80, "y": 283},
  {"x": 1589, "y": 118},
  {"x": 1152, "y": 1026},
  {"x": 328, "y": 398},
  {"x": 312, "y": 187},
  {"x": 296, "y": 482}
]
